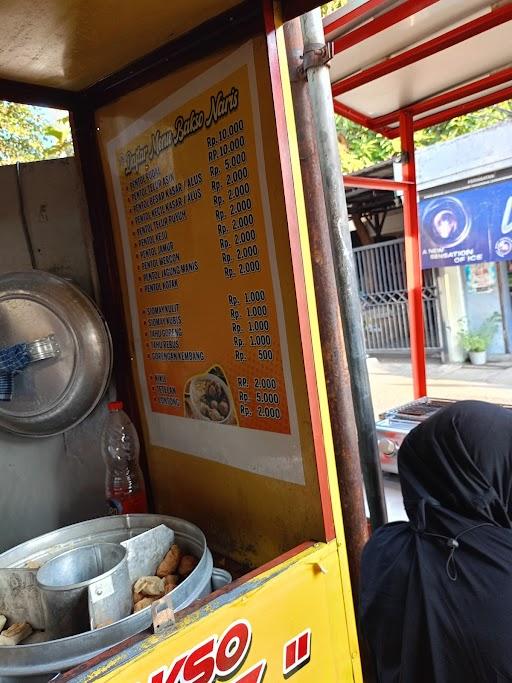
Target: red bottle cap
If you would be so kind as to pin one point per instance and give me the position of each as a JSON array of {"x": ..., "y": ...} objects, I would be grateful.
[{"x": 115, "y": 405}]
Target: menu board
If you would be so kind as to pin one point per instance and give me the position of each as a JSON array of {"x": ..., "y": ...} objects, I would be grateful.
[{"x": 196, "y": 227}]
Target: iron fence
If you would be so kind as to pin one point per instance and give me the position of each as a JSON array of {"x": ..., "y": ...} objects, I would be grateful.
[{"x": 383, "y": 292}]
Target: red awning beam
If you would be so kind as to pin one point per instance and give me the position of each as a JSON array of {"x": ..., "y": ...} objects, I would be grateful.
[
  {"x": 352, "y": 114},
  {"x": 376, "y": 183},
  {"x": 357, "y": 117},
  {"x": 479, "y": 85},
  {"x": 380, "y": 23},
  {"x": 447, "y": 114},
  {"x": 439, "y": 117},
  {"x": 465, "y": 108},
  {"x": 358, "y": 14},
  {"x": 493, "y": 18}
]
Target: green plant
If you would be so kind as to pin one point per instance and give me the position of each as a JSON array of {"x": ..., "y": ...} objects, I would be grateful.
[
  {"x": 29, "y": 134},
  {"x": 480, "y": 338}
]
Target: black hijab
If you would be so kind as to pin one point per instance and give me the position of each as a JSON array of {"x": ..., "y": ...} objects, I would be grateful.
[{"x": 436, "y": 593}]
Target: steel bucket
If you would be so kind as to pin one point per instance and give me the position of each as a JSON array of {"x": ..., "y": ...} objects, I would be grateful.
[
  {"x": 33, "y": 658},
  {"x": 220, "y": 578},
  {"x": 85, "y": 588}
]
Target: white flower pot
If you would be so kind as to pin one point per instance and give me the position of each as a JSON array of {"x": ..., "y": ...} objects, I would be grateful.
[{"x": 478, "y": 357}]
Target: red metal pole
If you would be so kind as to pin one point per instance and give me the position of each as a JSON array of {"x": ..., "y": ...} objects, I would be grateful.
[
  {"x": 412, "y": 257},
  {"x": 374, "y": 183}
]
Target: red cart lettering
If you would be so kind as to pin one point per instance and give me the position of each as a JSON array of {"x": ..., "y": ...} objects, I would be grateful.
[
  {"x": 169, "y": 674},
  {"x": 233, "y": 648},
  {"x": 214, "y": 659},
  {"x": 200, "y": 664},
  {"x": 296, "y": 653},
  {"x": 254, "y": 675}
]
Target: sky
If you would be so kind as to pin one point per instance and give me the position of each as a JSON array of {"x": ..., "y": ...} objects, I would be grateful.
[{"x": 51, "y": 115}]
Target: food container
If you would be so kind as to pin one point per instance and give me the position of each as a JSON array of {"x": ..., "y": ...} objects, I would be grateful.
[
  {"x": 220, "y": 578},
  {"x": 84, "y": 589},
  {"x": 42, "y": 659}
]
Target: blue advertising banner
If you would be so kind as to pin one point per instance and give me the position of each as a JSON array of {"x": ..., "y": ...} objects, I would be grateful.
[{"x": 467, "y": 226}]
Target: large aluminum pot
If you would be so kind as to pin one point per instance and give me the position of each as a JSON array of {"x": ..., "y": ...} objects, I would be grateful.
[{"x": 36, "y": 659}]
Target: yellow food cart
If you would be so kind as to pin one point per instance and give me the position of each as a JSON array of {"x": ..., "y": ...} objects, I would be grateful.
[{"x": 184, "y": 128}]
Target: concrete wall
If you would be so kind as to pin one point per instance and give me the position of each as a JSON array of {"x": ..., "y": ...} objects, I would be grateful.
[
  {"x": 453, "y": 309},
  {"x": 475, "y": 154},
  {"x": 51, "y": 482}
]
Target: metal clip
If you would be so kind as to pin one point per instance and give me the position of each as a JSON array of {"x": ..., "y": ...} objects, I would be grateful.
[
  {"x": 162, "y": 613},
  {"x": 44, "y": 348},
  {"x": 316, "y": 54}
]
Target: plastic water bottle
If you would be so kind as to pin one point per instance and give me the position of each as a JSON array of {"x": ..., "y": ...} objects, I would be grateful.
[{"x": 124, "y": 483}]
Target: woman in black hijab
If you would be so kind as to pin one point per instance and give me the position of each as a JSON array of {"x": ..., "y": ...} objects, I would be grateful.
[{"x": 436, "y": 592}]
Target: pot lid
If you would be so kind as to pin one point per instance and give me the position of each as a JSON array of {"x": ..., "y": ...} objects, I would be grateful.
[{"x": 60, "y": 389}]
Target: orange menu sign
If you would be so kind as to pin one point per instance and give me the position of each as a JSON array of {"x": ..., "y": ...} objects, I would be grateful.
[{"x": 201, "y": 261}]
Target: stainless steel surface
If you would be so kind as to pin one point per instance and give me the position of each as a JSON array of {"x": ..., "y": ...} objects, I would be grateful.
[
  {"x": 419, "y": 410},
  {"x": 220, "y": 578},
  {"x": 145, "y": 551},
  {"x": 394, "y": 425},
  {"x": 33, "y": 658},
  {"x": 85, "y": 588},
  {"x": 53, "y": 396},
  {"x": 387, "y": 447},
  {"x": 346, "y": 278}
]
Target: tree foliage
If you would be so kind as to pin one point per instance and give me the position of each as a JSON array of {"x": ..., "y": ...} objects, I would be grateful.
[
  {"x": 62, "y": 144},
  {"x": 26, "y": 134},
  {"x": 333, "y": 6},
  {"x": 360, "y": 147}
]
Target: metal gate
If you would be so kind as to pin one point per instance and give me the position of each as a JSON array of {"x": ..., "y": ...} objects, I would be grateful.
[{"x": 383, "y": 292}]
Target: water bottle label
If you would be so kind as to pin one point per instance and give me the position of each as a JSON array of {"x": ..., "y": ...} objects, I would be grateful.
[{"x": 115, "y": 506}]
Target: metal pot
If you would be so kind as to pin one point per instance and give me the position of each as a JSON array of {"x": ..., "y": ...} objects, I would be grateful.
[
  {"x": 33, "y": 658},
  {"x": 84, "y": 589},
  {"x": 220, "y": 578}
]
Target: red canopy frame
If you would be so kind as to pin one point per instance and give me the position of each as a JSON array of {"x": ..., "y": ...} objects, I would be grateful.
[
  {"x": 412, "y": 251},
  {"x": 364, "y": 22}
]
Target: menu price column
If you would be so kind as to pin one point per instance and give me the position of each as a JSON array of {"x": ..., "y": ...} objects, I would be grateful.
[{"x": 239, "y": 239}]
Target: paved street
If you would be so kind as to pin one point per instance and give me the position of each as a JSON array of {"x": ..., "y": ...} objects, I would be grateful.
[{"x": 392, "y": 386}]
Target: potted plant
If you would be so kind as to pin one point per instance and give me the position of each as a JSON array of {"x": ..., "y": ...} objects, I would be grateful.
[{"x": 476, "y": 341}]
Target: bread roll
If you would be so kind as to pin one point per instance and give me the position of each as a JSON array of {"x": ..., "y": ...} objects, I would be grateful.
[
  {"x": 149, "y": 586},
  {"x": 170, "y": 563}
]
